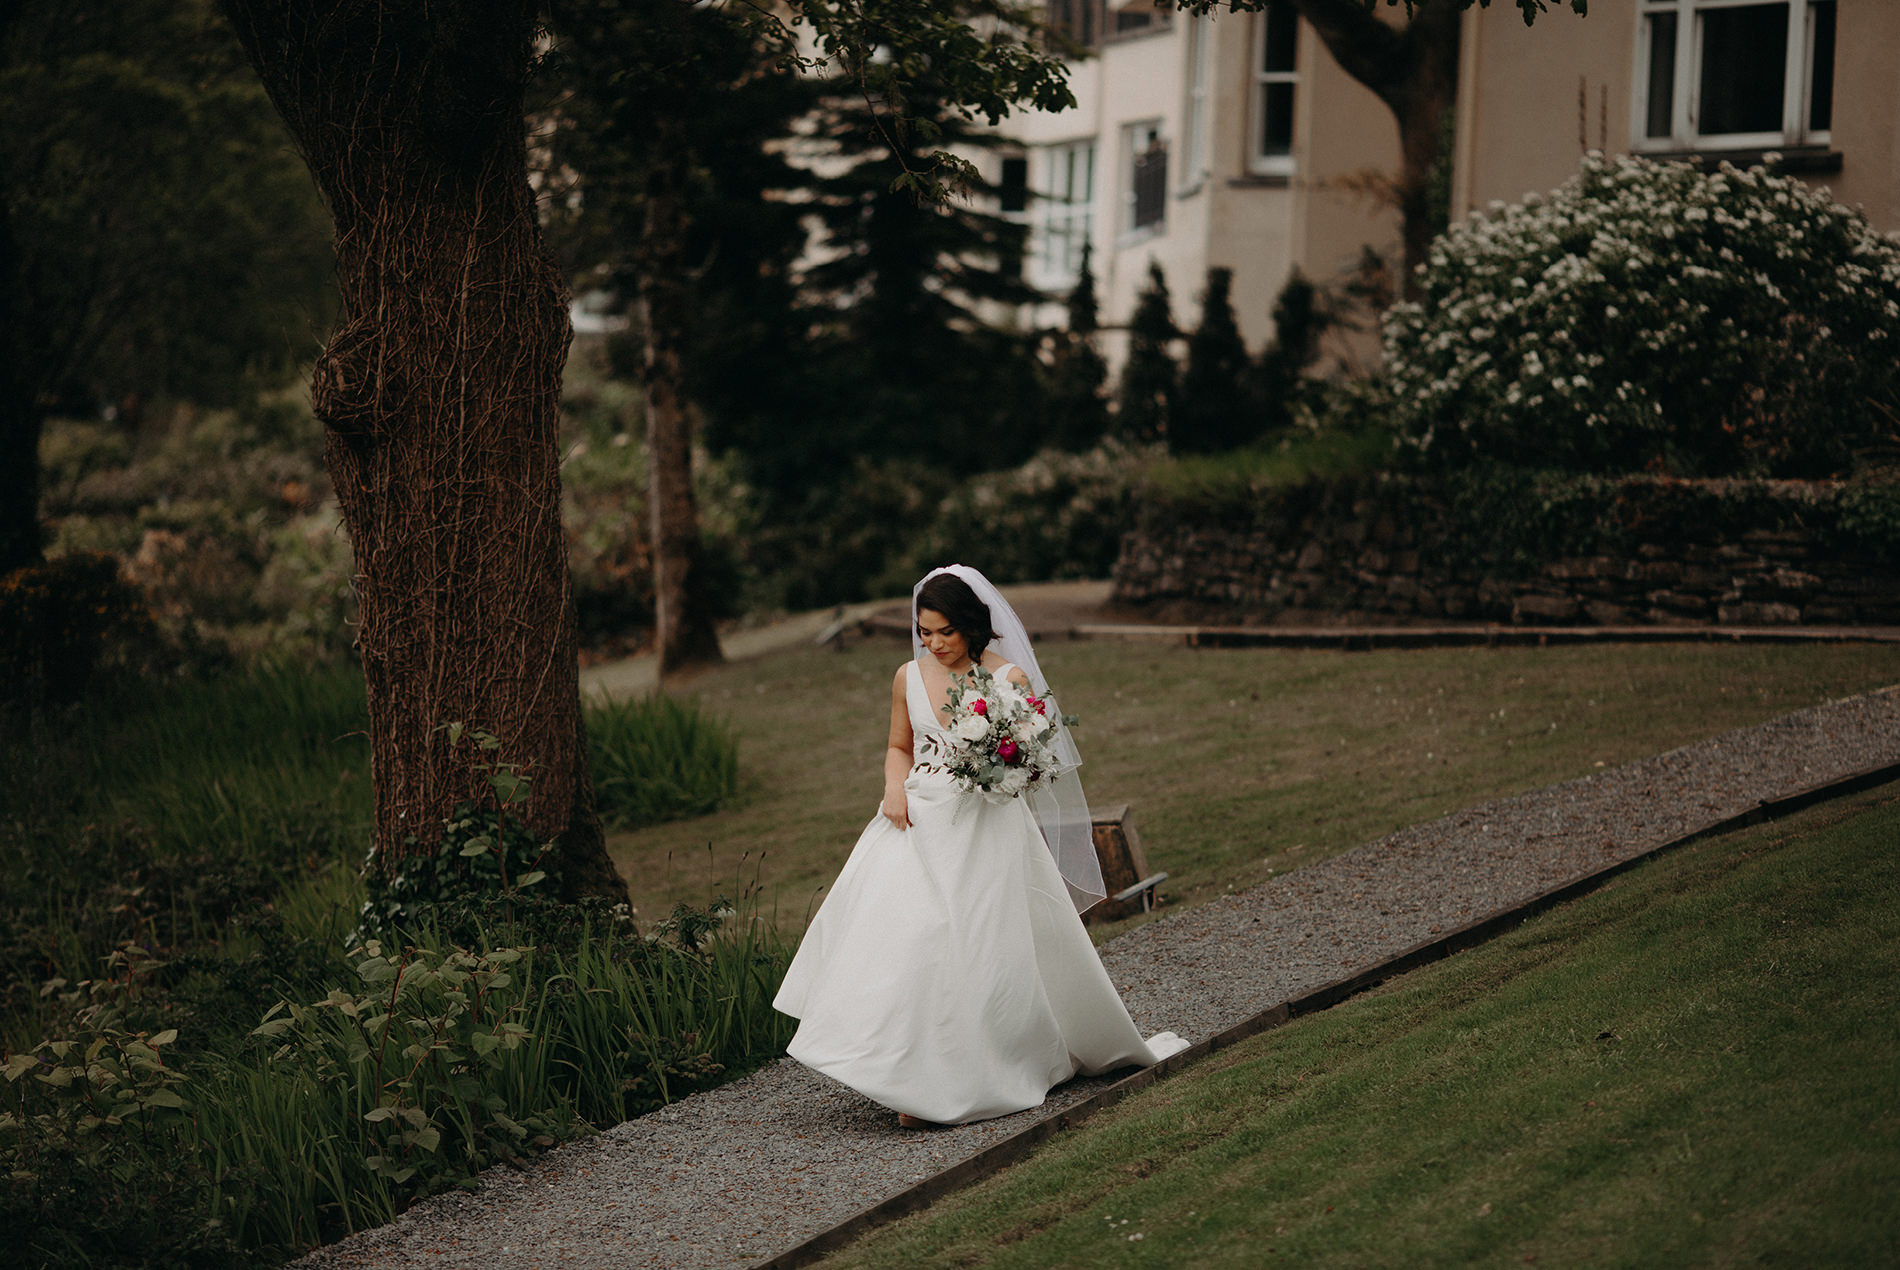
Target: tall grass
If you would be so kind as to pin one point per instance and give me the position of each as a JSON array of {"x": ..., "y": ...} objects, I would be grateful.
[
  {"x": 157, "y": 814},
  {"x": 416, "y": 1067},
  {"x": 204, "y": 838},
  {"x": 656, "y": 759}
]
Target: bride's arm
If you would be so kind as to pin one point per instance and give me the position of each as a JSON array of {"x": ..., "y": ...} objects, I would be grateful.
[{"x": 897, "y": 756}]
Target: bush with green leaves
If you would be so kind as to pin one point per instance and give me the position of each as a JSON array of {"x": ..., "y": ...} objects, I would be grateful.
[
  {"x": 1059, "y": 515},
  {"x": 485, "y": 848},
  {"x": 655, "y": 759},
  {"x": 1650, "y": 316},
  {"x": 145, "y": 1131},
  {"x": 63, "y": 620}
]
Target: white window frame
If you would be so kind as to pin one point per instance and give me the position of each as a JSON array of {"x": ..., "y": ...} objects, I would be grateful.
[
  {"x": 1156, "y": 18},
  {"x": 1062, "y": 199},
  {"x": 1796, "y": 84},
  {"x": 1137, "y": 138},
  {"x": 1258, "y": 162},
  {"x": 1196, "y": 110}
]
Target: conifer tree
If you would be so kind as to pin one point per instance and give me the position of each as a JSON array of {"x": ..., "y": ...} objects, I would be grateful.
[
  {"x": 1078, "y": 406},
  {"x": 1275, "y": 377},
  {"x": 910, "y": 368},
  {"x": 1211, "y": 409},
  {"x": 1150, "y": 377}
]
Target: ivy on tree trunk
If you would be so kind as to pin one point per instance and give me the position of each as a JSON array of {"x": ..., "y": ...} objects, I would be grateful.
[{"x": 439, "y": 394}]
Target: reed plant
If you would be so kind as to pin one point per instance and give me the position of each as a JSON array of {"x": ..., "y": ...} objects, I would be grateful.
[
  {"x": 181, "y": 855},
  {"x": 409, "y": 1068},
  {"x": 656, "y": 759}
]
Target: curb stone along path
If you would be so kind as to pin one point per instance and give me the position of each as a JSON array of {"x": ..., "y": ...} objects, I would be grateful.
[{"x": 756, "y": 1168}]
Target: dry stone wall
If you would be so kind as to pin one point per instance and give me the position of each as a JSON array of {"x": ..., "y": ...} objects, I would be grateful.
[{"x": 1391, "y": 554}]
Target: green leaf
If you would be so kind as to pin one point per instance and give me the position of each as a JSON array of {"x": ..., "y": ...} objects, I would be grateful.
[
  {"x": 375, "y": 970},
  {"x": 428, "y": 1139},
  {"x": 163, "y": 1098},
  {"x": 166, "y": 1037},
  {"x": 379, "y": 1114}
]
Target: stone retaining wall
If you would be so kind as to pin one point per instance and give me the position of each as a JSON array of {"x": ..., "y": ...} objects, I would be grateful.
[{"x": 1354, "y": 555}]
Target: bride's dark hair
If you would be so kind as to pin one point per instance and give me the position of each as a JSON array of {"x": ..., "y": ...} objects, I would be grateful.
[{"x": 970, "y": 617}]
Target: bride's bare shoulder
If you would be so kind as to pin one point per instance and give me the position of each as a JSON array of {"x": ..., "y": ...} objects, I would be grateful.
[
  {"x": 902, "y": 670},
  {"x": 993, "y": 662}
]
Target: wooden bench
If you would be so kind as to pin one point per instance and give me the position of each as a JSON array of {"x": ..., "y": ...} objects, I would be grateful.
[{"x": 1131, "y": 888}]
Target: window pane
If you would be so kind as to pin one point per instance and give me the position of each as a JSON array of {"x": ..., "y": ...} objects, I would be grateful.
[
  {"x": 1012, "y": 192},
  {"x": 1744, "y": 68},
  {"x": 1821, "y": 68},
  {"x": 1140, "y": 15},
  {"x": 1151, "y": 185},
  {"x": 1282, "y": 36},
  {"x": 1276, "y": 119},
  {"x": 1662, "y": 75}
]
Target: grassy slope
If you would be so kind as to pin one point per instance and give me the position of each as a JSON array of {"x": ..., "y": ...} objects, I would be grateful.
[
  {"x": 1693, "y": 1066},
  {"x": 1237, "y": 763}
]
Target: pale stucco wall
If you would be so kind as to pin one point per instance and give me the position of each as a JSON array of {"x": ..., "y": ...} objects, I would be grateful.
[
  {"x": 1318, "y": 220},
  {"x": 1520, "y": 121},
  {"x": 1867, "y": 109}
]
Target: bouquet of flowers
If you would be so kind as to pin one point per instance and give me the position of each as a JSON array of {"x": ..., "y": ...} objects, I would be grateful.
[{"x": 1000, "y": 735}]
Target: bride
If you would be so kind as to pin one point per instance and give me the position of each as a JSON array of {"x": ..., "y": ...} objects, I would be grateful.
[{"x": 948, "y": 975}]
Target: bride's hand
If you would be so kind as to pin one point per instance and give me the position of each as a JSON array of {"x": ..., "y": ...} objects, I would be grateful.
[{"x": 895, "y": 808}]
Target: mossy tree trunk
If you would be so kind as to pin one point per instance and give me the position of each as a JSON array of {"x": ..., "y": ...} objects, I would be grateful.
[
  {"x": 439, "y": 394},
  {"x": 684, "y": 633}
]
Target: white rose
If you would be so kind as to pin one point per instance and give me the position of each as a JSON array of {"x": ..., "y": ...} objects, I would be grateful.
[
  {"x": 971, "y": 727},
  {"x": 1014, "y": 781}
]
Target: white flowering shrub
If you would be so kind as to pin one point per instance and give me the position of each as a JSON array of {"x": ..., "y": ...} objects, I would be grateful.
[{"x": 1650, "y": 316}]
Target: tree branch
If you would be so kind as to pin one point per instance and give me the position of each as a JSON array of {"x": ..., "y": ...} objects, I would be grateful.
[{"x": 1367, "y": 49}]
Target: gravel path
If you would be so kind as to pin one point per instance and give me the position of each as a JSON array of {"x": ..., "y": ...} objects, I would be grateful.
[{"x": 752, "y": 1168}]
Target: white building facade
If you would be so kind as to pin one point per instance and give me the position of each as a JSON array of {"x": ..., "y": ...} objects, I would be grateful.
[{"x": 1228, "y": 140}]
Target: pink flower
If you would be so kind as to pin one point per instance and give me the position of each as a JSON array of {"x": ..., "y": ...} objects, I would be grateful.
[
  {"x": 1035, "y": 703},
  {"x": 980, "y": 707},
  {"x": 1007, "y": 751}
]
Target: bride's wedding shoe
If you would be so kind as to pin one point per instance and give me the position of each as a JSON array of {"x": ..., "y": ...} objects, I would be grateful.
[{"x": 907, "y": 1121}]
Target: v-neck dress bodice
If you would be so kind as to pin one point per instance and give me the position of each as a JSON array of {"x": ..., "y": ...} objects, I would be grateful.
[{"x": 947, "y": 974}]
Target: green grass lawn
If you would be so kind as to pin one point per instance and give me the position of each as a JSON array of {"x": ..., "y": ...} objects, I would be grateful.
[
  {"x": 1695, "y": 1066},
  {"x": 1238, "y": 763}
]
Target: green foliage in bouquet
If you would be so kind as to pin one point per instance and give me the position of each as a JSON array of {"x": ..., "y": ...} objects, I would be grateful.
[
  {"x": 1000, "y": 735},
  {"x": 1649, "y": 316}
]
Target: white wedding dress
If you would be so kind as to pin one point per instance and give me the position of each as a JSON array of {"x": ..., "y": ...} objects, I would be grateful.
[{"x": 947, "y": 974}]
